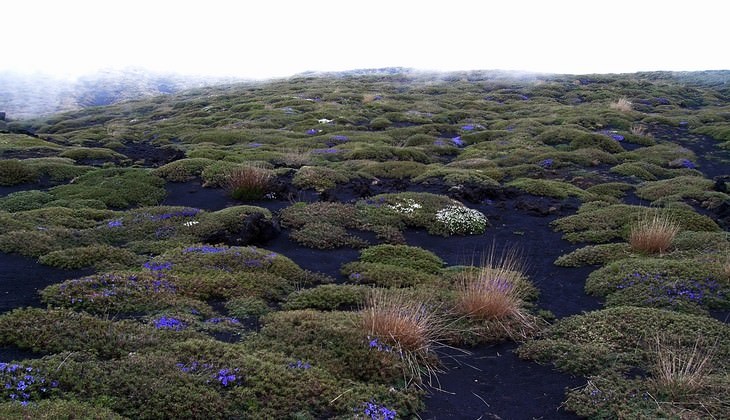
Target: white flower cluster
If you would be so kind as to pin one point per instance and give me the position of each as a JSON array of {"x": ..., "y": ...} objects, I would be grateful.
[
  {"x": 408, "y": 206},
  {"x": 191, "y": 223},
  {"x": 462, "y": 220}
]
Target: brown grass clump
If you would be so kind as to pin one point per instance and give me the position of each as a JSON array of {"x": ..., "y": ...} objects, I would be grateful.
[
  {"x": 680, "y": 371},
  {"x": 639, "y": 130},
  {"x": 400, "y": 324},
  {"x": 623, "y": 105},
  {"x": 249, "y": 182},
  {"x": 653, "y": 234},
  {"x": 495, "y": 292}
]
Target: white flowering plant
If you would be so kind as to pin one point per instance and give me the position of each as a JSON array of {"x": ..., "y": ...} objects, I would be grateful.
[
  {"x": 406, "y": 207},
  {"x": 460, "y": 220}
]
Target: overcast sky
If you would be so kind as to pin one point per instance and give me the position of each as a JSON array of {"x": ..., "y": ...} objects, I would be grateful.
[{"x": 276, "y": 38}]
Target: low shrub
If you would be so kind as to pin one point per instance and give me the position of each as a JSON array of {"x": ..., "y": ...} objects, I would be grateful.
[
  {"x": 594, "y": 255},
  {"x": 116, "y": 188},
  {"x": 57, "y": 330},
  {"x": 25, "y": 200},
  {"x": 13, "y": 172},
  {"x": 327, "y": 297},
  {"x": 99, "y": 256},
  {"x": 386, "y": 275},
  {"x": 403, "y": 256}
]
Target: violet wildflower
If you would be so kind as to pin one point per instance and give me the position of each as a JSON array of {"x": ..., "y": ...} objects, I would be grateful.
[
  {"x": 169, "y": 323},
  {"x": 312, "y": 132},
  {"x": 115, "y": 223},
  {"x": 546, "y": 163},
  {"x": 158, "y": 267},
  {"x": 374, "y": 411},
  {"x": 687, "y": 164},
  {"x": 467, "y": 127},
  {"x": 299, "y": 365},
  {"x": 458, "y": 142}
]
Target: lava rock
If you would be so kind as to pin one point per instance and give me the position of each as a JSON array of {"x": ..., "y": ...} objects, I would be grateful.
[{"x": 255, "y": 229}]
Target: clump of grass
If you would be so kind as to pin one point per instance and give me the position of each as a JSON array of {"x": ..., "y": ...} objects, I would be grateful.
[
  {"x": 653, "y": 234},
  {"x": 249, "y": 182},
  {"x": 495, "y": 292},
  {"x": 680, "y": 371},
  {"x": 640, "y": 130},
  {"x": 396, "y": 322},
  {"x": 623, "y": 105}
]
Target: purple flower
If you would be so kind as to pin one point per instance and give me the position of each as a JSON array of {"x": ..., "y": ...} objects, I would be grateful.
[
  {"x": 687, "y": 164},
  {"x": 115, "y": 223},
  {"x": 546, "y": 163},
  {"x": 312, "y": 131},
  {"x": 255, "y": 145},
  {"x": 613, "y": 135},
  {"x": 374, "y": 411},
  {"x": 205, "y": 249},
  {"x": 168, "y": 323},
  {"x": 155, "y": 266},
  {"x": 328, "y": 151},
  {"x": 457, "y": 141},
  {"x": 226, "y": 376},
  {"x": 467, "y": 127},
  {"x": 299, "y": 365}
]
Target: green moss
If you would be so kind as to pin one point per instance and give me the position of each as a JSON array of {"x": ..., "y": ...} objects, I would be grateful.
[
  {"x": 594, "y": 255},
  {"x": 117, "y": 188},
  {"x": 183, "y": 170},
  {"x": 601, "y": 222},
  {"x": 246, "y": 306},
  {"x": 99, "y": 256},
  {"x": 13, "y": 172},
  {"x": 25, "y": 200},
  {"x": 612, "y": 340},
  {"x": 93, "y": 154},
  {"x": 386, "y": 275},
  {"x": 610, "y": 189},
  {"x": 454, "y": 177},
  {"x": 57, "y": 409},
  {"x": 395, "y": 169},
  {"x": 550, "y": 188},
  {"x": 403, "y": 256},
  {"x": 328, "y": 297},
  {"x": 597, "y": 141},
  {"x": 322, "y": 235},
  {"x": 318, "y": 178},
  {"x": 121, "y": 292},
  {"x": 684, "y": 186},
  {"x": 57, "y": 169},
  {"x": 57, "y": 330},
  {"x": 334, "y": 339},
  {"x": 610, "y": 345},
  {"x": 672, "y": 284}
]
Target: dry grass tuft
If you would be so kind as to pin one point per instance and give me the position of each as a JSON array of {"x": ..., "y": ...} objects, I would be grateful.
[
  {"x": 680, "y": 371},
  {"x": 495, "y": 292},
  {"x": 249, "y": 182},
  {"x": 623, "y": 105},
  {"x": 408, "y": 327},
  {"x": 653, "y": 234},
  {"x": 640, "y": 130},
  {"x": 296, "y": 158}
]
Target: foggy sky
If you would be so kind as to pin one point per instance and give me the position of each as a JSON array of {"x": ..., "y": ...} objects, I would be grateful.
[{"x": 262, "y": 39}]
